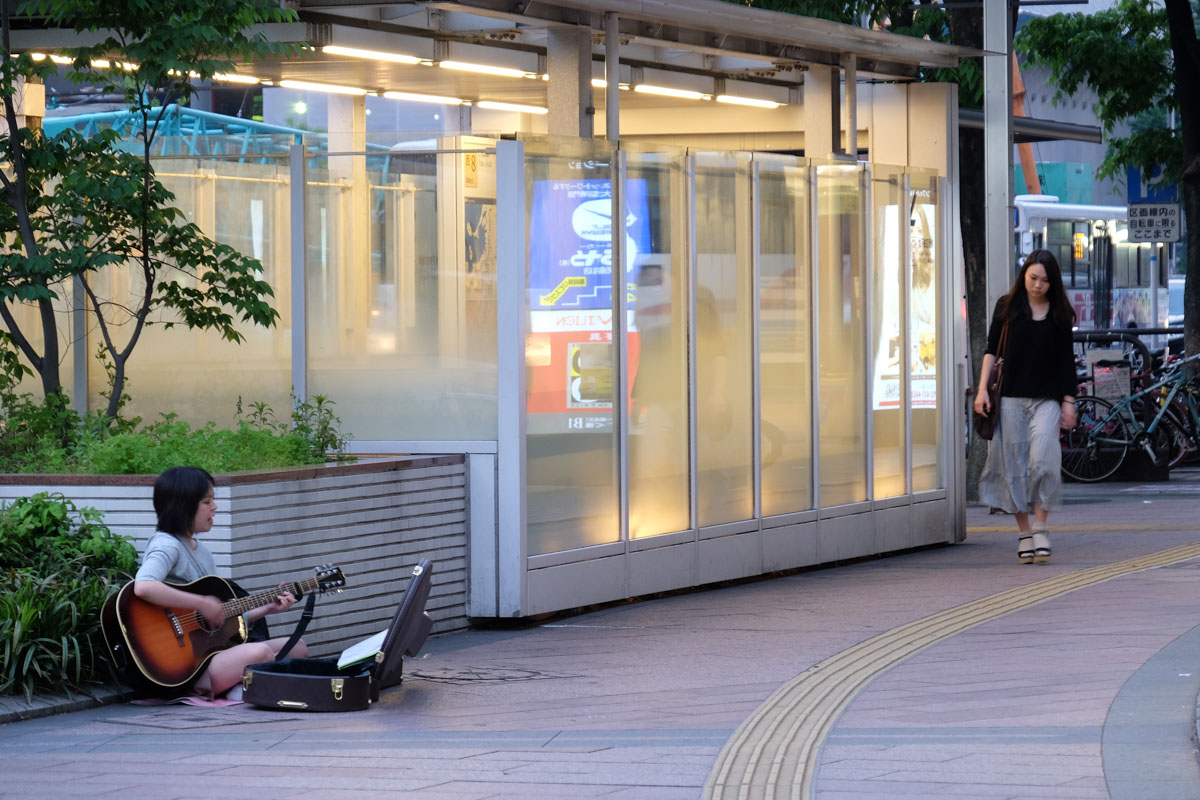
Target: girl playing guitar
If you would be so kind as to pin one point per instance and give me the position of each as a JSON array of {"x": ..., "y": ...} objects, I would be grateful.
[{"x": 183, "y": 501}]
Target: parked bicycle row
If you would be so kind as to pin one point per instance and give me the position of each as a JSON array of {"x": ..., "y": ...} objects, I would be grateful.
[{"x": 1154, "y": 412}]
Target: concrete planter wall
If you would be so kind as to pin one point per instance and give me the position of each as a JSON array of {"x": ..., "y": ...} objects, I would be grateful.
[{"x": 375, "y": 520}]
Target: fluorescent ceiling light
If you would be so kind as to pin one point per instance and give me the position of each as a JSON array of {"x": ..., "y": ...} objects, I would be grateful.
[
  {"x": 377, "y": 55},
  {"x": 98, "y": 63},
  {"x": 512, "y": 107},
  {"x": 667, "y": 91},
  {"x": 600, "y": 83},
  {"x": 485, "y": 69},
  {"x": 324, "y": 87},
  {"x": 233, "y": 77},
  {"x": 423, "y": 98},
  {"x": 747, "y": 101}
]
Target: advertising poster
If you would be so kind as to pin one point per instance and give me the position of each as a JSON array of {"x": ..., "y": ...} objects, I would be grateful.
[
  {"x": 923, "y": 297},
  {"x": 569, "y": 353},
  {"x": 886, "y": 392},
  {"x": 570, "y": 235},
  {"x": 922, "y": 312}
]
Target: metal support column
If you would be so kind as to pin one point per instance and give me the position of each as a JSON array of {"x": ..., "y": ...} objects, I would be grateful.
[
  {"x": 997, "y": 136},
  {"x": 511, "y": 299},
  {"x": 297, "y": 180},
  {"x": 612, "y": 77}
]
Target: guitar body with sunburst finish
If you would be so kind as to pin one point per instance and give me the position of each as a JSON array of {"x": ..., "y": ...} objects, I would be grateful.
[
  {"x": 170, "y": 646},
  {"x": 164, "y": 648}
]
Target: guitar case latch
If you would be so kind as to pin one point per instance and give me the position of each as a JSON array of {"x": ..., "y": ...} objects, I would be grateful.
[{"x": 336, "y": 684}]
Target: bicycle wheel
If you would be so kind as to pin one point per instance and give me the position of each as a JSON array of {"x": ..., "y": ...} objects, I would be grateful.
[
  {"x": 1181, "y": 444},
  {"x": 1096, "y": 446}
]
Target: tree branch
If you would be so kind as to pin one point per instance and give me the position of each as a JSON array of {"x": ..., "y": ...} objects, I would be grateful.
[{"x": 18, "y": 336}]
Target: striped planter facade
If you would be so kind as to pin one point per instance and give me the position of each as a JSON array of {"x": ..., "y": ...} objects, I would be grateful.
[{"x": 375, "y": 520}]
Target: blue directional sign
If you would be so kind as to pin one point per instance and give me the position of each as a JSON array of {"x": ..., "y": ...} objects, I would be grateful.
[{"x": 1151, "y": 189}]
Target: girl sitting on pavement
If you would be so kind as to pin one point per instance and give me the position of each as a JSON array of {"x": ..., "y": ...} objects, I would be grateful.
[{"x": 184, "y": 503}]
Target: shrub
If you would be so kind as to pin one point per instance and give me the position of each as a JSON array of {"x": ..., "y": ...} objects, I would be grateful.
[
  {"x": 59, "y": 563},
  {"x": 50, "y": 437},
  {"x": 170, "y": 442}
]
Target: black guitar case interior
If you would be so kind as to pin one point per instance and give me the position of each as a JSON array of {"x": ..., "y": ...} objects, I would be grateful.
[{"x": 316, "y": 684}]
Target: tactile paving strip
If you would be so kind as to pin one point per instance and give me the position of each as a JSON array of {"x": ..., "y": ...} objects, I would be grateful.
[{"x": 773, "y": 753}]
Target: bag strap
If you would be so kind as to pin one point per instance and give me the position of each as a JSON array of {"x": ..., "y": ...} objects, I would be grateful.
[
  {"x": 300, "y": 626},
  {"x": 1002, "y": 345}
]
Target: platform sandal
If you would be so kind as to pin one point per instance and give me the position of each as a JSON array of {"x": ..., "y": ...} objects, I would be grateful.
[
  {"x": 1025, "y": 549},
  {"x": 1041, "y": 546}
]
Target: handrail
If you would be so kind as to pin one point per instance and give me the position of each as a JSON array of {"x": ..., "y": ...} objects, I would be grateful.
[{"x": 1118, "y": 335}]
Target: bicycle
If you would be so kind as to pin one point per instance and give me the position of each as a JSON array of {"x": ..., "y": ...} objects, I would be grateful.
[{"x": 1096, "y": 446}]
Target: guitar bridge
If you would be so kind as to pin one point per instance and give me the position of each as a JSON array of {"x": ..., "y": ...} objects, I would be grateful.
[{"x": 176, "y": 625}]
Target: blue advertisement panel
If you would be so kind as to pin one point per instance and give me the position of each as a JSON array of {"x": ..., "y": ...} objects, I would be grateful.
[{"x": 570, "y": 235}]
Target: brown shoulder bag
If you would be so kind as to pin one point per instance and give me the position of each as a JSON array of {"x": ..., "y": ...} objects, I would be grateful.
[{"x": 985, "y": 427}]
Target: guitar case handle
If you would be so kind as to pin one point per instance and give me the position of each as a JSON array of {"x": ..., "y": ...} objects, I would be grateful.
[{"x": 305, "y": 617}]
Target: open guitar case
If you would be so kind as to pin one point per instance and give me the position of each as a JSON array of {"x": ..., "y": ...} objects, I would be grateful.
[{"x": 317, "y": 684}]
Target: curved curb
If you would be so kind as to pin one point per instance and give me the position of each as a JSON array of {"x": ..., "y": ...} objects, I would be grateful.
[
  {"x": 773, "y": 753},
  {"x": 1148, "y": 744}
]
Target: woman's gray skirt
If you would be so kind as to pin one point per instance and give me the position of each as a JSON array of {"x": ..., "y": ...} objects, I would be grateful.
[{"x": 1024, "y": 457}]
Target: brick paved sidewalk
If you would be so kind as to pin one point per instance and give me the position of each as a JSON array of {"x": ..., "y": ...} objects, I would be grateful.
[{"x": 636, "y": 701}]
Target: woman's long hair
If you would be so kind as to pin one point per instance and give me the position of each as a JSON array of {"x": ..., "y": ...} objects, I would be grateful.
[
  {"x": 1016, "y": 302},
  {"x": 177, "y": 495}
]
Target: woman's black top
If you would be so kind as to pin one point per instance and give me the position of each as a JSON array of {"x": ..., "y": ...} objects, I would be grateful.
[{"x": 1039, "y": 357}]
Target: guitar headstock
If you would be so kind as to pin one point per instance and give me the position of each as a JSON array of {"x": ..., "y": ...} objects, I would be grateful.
[{"x": 329, "y": 577}]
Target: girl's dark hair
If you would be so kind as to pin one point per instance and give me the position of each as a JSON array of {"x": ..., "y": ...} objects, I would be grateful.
[
  {"x": 1016, "y": 302},
  {"x": 177, "y": 495}
]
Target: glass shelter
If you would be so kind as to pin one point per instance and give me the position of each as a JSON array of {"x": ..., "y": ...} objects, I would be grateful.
[{"x": 748, "y": 372}]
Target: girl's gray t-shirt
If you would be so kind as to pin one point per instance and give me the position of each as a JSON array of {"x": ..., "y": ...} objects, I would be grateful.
[{"x": 169, "y": 559}]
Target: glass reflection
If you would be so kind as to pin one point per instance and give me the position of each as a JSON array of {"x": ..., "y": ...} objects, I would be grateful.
[
  {"x": 785, "y": 342},
  {"x": 724, "y": 423},
  {"x": 887, "y": 288},
  {"x": 657, "y": 350},
  {"x": 925, "y": 332},
  {"x": 243, "y": 205},
  {"x": 402, "y": 292},
  {"x": 842, "y": 415},
  {"x": 570, "y": 360}
]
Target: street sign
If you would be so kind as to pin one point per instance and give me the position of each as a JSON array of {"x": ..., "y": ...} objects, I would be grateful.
[
  {"x": 1154, "y": 222},
  {"x": 1150, "y": 189}
]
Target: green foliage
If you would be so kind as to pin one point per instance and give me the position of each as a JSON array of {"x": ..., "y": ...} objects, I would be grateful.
[
  {"x": 49, "y": 437},
  {"x": 848, "y": 12},
  {"x": 1124, "y": 55},
  {"x": 50, "y": 635},
  {"x": 902, "y": 17},
  {"x": 315, "y": 422},
  {"x": 58, "y": 565},
  {"x": 70, "y": 206},
  {"x": 171, "y": 441},
  {"x": 46, "y": 531},
  {"x": 166, "y": 40}
]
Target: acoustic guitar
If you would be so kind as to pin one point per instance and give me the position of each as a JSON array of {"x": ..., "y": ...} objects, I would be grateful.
[{"x": 168, "y": 647}]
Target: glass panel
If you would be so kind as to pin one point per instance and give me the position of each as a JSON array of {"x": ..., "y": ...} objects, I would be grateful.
[
  {"x": 925, "y": 334},
  {"x": 401, "y": 278},
  {"x": 657, "y": 344},
  {"x": 843, "y": 374},
  {"x": 724, "y": 320},
  {"x": 245, "y": 205},
  {"x": 571, "y": 444},
  {"x": 887, "y": 287},
  {"x": 785, "y": 342}
]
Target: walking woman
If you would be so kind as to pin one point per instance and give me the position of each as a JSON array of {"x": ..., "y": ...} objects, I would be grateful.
[{"x": 1037, "y": 394}]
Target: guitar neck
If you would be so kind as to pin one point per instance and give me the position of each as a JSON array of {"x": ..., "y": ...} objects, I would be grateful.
[{"x": 240, "y": 605}]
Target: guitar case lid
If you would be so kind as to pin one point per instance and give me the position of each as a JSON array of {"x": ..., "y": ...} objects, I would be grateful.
[{"x": 409, "y": 629}]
